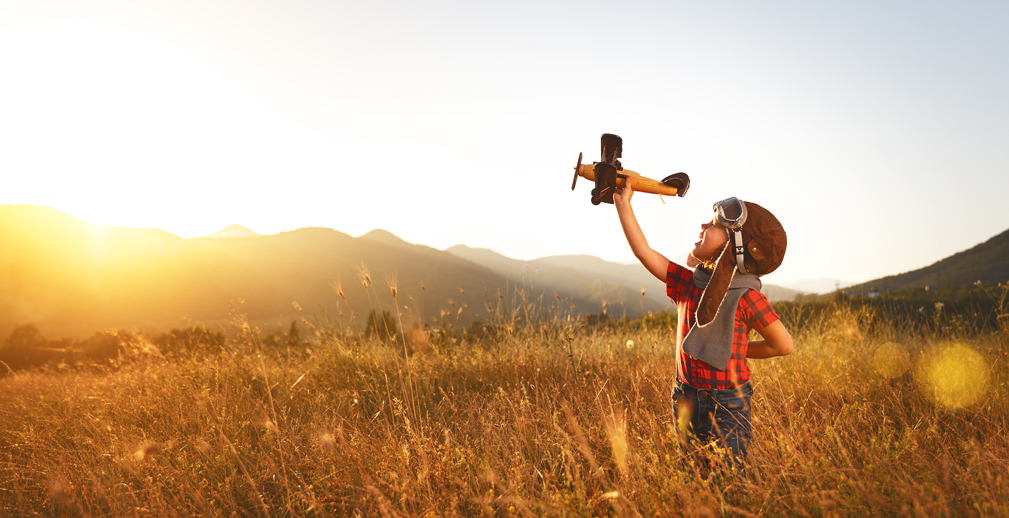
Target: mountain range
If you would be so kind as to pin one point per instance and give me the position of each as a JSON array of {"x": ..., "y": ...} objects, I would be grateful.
[
  {"x": 588, "y": 275},
  {"x": 233, "y": 231},
  {"x": 987, "y": 262},
  {"x": 71, "y": 278}
]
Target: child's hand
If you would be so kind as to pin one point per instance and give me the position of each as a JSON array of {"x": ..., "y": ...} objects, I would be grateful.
[{"x": 622, "y": 197}]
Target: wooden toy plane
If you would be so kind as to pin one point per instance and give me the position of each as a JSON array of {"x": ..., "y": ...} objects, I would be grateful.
[{"x": 609, "y": 175}]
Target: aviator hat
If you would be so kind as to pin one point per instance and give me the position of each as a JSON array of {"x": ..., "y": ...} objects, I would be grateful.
[{"x": 756, "y": 245}]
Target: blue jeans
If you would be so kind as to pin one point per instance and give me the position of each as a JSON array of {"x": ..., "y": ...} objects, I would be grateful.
[{"x": 719, "y": 416}]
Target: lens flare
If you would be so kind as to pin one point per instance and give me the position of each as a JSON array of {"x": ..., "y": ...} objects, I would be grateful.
[
  {"x": 957, "y": 376},
  {"x": 891, "y": 360}
]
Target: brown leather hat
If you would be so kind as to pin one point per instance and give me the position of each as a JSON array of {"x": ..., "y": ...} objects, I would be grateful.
[{"x": 764, "y": 241}]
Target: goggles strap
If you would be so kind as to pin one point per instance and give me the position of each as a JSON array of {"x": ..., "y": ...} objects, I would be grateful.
[{"x": 738, "y": 249}]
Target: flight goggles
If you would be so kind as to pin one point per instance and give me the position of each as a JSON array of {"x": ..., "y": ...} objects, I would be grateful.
[{"x": 730, "y": 214}]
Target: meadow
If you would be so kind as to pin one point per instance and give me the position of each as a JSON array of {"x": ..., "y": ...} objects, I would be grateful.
[{"x": 535, "y": 413}]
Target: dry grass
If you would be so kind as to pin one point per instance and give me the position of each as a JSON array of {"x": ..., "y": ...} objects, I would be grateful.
[{"x": 546, "y": 420}]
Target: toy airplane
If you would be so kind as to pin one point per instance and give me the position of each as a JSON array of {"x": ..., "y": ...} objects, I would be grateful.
[{"x": 609, "y": 175}]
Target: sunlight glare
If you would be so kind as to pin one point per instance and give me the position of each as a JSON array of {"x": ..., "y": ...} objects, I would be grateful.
[
  {"x": 891, "y": 360},
  {"x": 107, "y": 124},
  {"x": 956, "y": 376}
]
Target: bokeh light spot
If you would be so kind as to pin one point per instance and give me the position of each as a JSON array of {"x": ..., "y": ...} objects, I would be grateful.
[
  {"x": 957, "y": 376},
  {"x": 891, "y": 360}
]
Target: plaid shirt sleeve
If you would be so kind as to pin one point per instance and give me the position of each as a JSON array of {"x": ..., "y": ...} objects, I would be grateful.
[
  {"x": 678, "y": 280},
  {"x": 756, "y": 310}
]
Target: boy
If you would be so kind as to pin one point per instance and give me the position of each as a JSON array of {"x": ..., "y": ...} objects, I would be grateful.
[{"x": 717, "y": 304}]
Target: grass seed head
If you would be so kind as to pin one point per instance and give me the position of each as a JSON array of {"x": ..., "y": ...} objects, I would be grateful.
[
  {"x": 393, "y": 285},
  {"x": 338, "y": 288},
  {"x": 616, "y": 430},
  {"x": 362, "y": 272}
]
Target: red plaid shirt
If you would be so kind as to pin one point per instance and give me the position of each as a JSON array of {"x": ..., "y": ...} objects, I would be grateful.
[{"x": 754, "y": 312}]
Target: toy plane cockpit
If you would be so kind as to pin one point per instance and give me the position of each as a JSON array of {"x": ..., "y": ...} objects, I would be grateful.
[{"x": 609, "y": 175}]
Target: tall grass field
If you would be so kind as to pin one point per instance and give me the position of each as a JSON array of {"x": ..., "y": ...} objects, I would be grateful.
[{"x": 536, "y": 413}]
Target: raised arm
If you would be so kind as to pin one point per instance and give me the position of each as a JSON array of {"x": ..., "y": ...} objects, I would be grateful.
[{"x": 653, "y": 261}]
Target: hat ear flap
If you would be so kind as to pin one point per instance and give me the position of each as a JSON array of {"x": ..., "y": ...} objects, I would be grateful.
[{"x": 712, "y": 296}]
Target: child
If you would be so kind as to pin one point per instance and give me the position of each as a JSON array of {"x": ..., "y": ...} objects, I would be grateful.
[{"x": 717, "y": 305}]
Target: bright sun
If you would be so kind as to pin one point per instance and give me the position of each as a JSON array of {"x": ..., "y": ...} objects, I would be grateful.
[{"x": 101, "y": 122}]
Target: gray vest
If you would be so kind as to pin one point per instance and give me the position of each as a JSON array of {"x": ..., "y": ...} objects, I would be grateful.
[{"x": 712, "y": 343}]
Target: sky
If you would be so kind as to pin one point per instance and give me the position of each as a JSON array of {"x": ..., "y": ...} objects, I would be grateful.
[{"x": 874, "y": 131}]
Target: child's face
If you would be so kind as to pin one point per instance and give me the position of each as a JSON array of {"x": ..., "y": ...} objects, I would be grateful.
[{"x": 712, "y": 240}]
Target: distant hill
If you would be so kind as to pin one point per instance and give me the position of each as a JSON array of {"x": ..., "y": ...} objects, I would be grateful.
[
  {"x": 818, "y": 285},
  {"x": 632, "y": 276},
  {"x": 551, "y": 275},
  {"x": 776, "y": 293},
  {"x": 635, "y": 275},
  {"x": 233, "y": 231},
  {"x": 71, "y": 278},
  {"x": 588, "y": 269},
  {"x": 987, "y": 262}
]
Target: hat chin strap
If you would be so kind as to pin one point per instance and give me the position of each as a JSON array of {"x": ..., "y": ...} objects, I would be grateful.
[{"x": 738, "y": 249}]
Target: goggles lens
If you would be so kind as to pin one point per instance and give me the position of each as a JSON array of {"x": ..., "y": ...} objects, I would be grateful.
[{"x": 730, "y": 213}]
